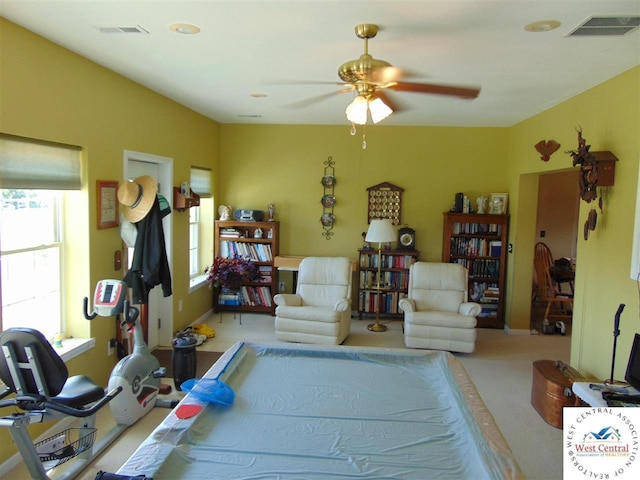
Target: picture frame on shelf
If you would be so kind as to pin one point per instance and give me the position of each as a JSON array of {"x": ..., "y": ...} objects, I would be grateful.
[
  {"x": 108, "y": 214},
  {"x": 498, "y": 203}
]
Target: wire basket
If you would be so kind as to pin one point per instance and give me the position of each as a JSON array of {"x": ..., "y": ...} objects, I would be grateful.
[{"x": 62, "y": 447}]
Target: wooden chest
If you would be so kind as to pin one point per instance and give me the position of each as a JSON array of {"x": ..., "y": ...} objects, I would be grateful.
[{"x": 551, "y": 389}]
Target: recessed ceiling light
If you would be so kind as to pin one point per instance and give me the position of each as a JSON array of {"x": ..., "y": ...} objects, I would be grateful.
[
  {"x": 258, "y": 95},
  {"x": 184, "y": 28},
  {"x": 542, "y": 26}
]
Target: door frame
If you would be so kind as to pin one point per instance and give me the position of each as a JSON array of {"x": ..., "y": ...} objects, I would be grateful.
[{"x": 165, "y": 188}]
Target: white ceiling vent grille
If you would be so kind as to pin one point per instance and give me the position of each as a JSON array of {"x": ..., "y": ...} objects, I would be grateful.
[
  {"x": 134, "y": 29},
  {"x": 606, "y": 26}
]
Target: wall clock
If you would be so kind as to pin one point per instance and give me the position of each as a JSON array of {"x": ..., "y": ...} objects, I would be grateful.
[
  {"x": 406, "y": 239},
  {"x": 385, "y": 201}
]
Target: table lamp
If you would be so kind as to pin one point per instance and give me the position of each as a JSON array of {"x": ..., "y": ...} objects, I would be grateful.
[{"x": 380, "y": 231}]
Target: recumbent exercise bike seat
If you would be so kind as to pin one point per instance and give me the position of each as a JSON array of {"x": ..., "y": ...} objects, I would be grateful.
[{"x": 75, "y": 392}]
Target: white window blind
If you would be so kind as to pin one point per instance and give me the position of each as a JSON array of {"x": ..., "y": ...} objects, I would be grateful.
[
  {"x": 26, "y": 163},
  {"x": 201, "y": 181}
]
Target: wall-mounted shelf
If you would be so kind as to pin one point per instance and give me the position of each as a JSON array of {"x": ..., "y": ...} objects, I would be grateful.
[{"x": 181, "y": 203}]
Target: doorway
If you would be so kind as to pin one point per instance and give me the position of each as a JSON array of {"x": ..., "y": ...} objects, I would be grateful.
[
  {"x": 160, "y": 309},
  {"x": 557, "y": 219}
]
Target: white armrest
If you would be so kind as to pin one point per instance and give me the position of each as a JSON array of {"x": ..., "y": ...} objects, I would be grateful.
[
  {"x": 342, "y": 305},
  {"x": 288, "y": 299},
  {"x": 407, "y": 305},
  {"x": 470, "y": 309}
]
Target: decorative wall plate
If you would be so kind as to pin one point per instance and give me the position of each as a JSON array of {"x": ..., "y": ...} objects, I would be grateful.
[
  {"x": 328, "y": 181},
  {"x": 327, "y": 219},
  {"x": 328, "y": 200}
]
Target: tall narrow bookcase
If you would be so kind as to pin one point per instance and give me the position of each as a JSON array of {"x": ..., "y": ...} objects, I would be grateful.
[
  {"x": 394, "y": 280},
  {"x": 479, "y": 242},
  {"x": 232, "y": 238}
]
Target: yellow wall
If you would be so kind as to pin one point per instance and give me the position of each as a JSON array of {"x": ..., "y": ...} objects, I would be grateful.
[
  {"x": 609, "y": 115},
  {"x": 284, "y": 165},
  {"x": 49, "y": 93}
]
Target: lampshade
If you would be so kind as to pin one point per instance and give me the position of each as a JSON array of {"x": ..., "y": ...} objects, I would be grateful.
[
  {"x": 379, "y": 110},
  {"x": 380, "y": 231},
  {"x": 357, "y": 110}
]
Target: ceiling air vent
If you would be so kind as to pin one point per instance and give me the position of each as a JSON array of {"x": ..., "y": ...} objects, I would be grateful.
[
  {"x": 606, "y": 26},
  {"x": 134, "y": 29}
]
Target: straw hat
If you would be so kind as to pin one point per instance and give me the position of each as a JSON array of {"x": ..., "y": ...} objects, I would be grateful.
[{"x": 137, "y": 197}]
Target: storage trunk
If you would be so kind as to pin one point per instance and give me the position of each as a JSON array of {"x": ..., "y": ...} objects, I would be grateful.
[{"x": 551, "y": 389}]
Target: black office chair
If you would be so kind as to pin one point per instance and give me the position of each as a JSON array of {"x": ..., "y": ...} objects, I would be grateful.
[{"x": 33, "y": 371}]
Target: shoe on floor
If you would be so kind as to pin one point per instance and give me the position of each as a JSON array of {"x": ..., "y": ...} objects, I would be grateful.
[{"x": 202, "y": 329}]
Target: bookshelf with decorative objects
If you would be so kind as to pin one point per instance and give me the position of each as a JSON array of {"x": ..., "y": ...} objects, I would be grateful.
[
  {"x": 394, "y": 280},
  {"x": 479, "y": 242},
  {"x": 258, "y": 241}
]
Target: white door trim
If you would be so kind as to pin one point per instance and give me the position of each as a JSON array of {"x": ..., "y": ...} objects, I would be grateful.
[{"x": 165, "y": 188}]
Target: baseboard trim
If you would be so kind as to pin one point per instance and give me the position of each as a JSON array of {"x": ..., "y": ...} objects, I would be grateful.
[{"x": 517, "y": 331}]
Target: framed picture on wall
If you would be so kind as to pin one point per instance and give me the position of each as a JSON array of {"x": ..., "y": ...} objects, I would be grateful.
[
  {"x": 108, "y": 212},
  {"x": 498, "y": 203}
]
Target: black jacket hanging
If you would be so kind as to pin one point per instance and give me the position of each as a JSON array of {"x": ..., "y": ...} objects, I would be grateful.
[{"x": 150, "y": 266}]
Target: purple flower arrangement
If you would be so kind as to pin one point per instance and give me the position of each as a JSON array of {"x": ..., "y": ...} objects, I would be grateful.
[{"x": 232, "y": 273}]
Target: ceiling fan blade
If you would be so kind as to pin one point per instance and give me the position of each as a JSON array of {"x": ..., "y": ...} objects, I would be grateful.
[
  {"x": 318, "y": 98},
  {"x": 302, "y": 82},
  {"x": 384, "y": 75},
  {"x": 463, "y": 92}
]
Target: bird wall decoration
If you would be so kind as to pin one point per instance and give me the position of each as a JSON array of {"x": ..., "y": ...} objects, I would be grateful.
[{"x": 546, "y": 149}]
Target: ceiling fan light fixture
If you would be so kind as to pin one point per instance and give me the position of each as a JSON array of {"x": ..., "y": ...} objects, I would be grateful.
[
  {"x": 357, "y": 110},
  {"x": 379, "y": 110}
]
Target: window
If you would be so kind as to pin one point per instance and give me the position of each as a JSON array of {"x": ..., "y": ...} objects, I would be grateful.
[
  {"x": 200, "y": 226},
  {"x": 33, "y": 176},
  {"x": 194, "y": 243},
  {"x": 31, "y": 257}
]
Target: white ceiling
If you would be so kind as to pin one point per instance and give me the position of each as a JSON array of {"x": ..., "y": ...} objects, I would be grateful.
[{"x": 247, "y": 47}]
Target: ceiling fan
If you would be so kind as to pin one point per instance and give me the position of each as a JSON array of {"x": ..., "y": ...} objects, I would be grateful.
[{"x": 370, "y": 77}]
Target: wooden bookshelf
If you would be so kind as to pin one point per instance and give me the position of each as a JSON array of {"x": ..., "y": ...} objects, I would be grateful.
[
  {"x": 394, "y": 280},
  {"x": 478, "y": 241},
  {"x": 239, "y": 238}
]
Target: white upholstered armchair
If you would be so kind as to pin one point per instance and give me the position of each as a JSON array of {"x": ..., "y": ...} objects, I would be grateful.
[
  {"x": 320, "y": 310},
  {"x": 436, "y": 312}
]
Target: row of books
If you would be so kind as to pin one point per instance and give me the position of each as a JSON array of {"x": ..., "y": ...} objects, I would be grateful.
[
  {"x": 230, "y": 233},
  {"x": 475, "y": 247},
  {"x": 386, "y": 261},
  {"x": 484, "y": 292},
  {"x": 259, "y": 252},
  {"x": 476, "y": 228},
  {"x": 247, "y": 296},
  {"x": 266, "y": 272},
  {"x": 368, "y": 301},
  {"x": 481, "y": 267},
  {"x": 397, "y": 280}
]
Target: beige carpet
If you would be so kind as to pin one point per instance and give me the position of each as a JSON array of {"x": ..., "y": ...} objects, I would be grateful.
[{"x": 501, "y": 368}]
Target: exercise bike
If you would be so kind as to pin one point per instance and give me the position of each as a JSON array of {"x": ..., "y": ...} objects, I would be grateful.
[
  {"x": 31, "y": 368},
  {"x": 139, "y": 373}
]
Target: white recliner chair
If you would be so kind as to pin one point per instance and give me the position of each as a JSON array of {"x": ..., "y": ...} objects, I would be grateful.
[
  {"x": 436, "y": 312},
  {"x": 320, "y": 310}
]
